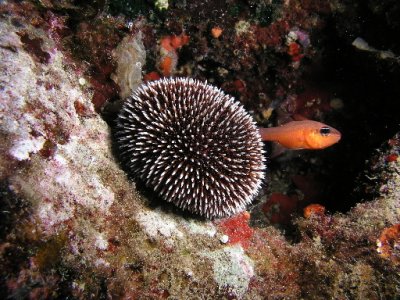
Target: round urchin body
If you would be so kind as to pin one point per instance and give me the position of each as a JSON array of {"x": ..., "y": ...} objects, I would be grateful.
[{"x": 194, "y": 145}]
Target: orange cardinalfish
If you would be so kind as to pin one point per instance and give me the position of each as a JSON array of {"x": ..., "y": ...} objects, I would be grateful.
[{"x": 304, "y": 134}]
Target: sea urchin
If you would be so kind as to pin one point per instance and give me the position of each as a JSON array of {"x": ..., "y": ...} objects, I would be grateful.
[{"x": 194, "y": 145}]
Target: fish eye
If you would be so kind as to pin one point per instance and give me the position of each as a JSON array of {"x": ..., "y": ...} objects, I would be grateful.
[{"x": 324, "y": 131}]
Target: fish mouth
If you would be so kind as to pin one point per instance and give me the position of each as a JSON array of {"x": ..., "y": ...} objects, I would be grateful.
[{"x": 336, "y": 135}]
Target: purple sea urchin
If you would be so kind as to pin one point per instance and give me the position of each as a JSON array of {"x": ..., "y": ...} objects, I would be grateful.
[{"x": 194, "y": 145}]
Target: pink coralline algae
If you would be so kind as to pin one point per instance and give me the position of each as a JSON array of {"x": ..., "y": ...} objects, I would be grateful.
[{"x": 31, "y": 119}]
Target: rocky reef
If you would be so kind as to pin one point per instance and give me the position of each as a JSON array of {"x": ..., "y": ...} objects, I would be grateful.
[{"x": 74, "y": 225}]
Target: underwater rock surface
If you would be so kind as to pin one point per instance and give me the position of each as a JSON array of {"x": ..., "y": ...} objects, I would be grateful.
[{"x": 73, "y": 225}]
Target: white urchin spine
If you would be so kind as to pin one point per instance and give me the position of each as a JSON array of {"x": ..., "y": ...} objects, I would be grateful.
[{"x": 193, "y": 144}]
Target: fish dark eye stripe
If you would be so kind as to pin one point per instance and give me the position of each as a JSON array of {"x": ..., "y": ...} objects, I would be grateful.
[{"x": 325, "y": 130}]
